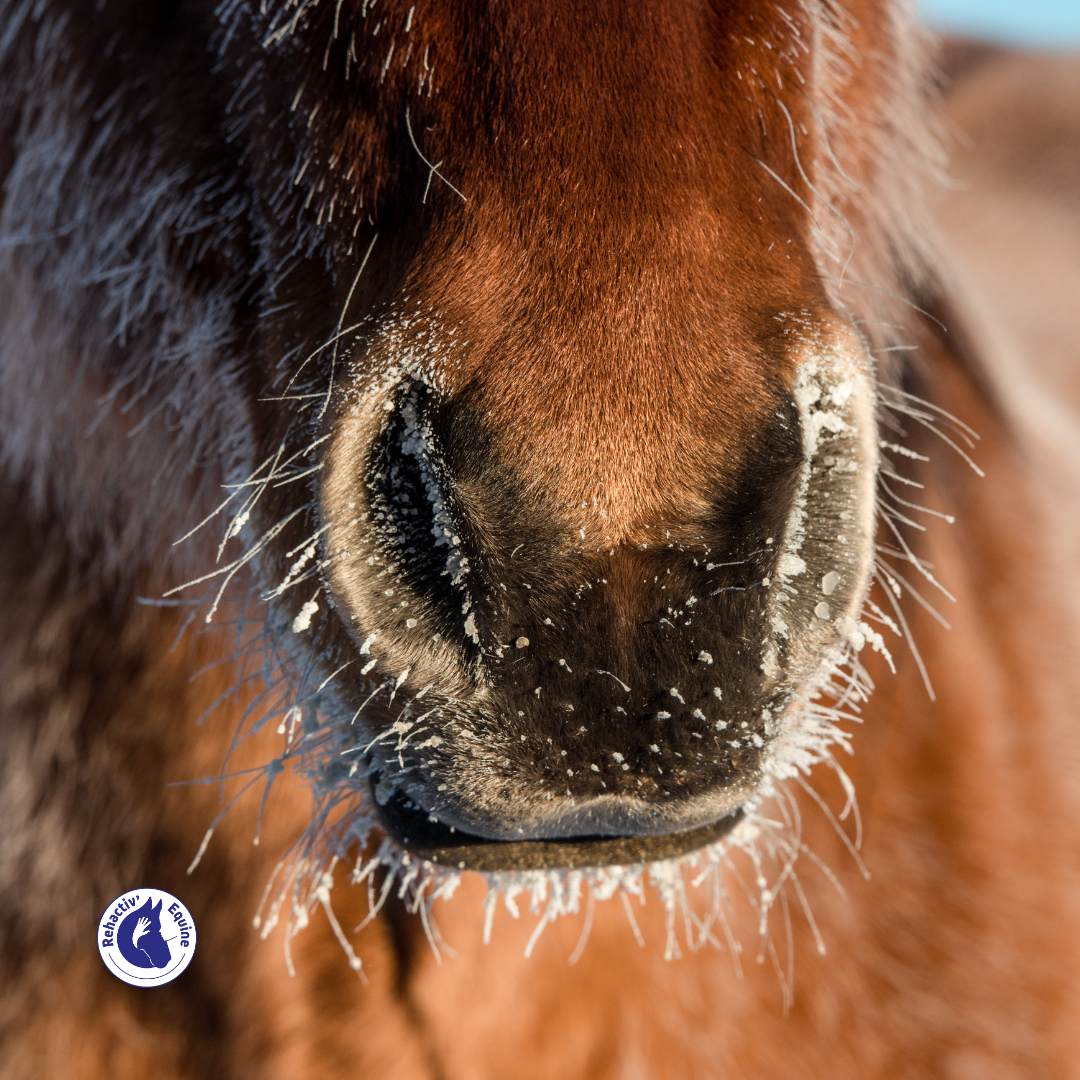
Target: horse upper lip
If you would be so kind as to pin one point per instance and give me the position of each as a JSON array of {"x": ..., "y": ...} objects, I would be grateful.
[
  {"x": 563, "y": 820},
  {"x": 421, "y": 836}
]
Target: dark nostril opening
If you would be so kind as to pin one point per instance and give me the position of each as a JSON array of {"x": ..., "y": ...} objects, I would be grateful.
[{"x": 418, "y": 528}]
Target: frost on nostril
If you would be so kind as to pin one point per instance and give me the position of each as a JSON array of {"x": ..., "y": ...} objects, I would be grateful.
[{"x": 420, "y": 539}]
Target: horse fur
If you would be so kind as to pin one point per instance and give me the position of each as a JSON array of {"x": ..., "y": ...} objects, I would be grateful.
[{"x": 178, "y": 181}]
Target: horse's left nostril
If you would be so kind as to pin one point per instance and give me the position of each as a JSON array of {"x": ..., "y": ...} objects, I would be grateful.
[{"x": 401, "y": 551}]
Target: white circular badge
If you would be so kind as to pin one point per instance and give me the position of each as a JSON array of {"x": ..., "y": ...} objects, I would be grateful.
[{"x": 146, "y": 937}]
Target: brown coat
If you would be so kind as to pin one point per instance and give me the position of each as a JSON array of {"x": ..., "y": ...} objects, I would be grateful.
[{"x": 165, "y": 261}]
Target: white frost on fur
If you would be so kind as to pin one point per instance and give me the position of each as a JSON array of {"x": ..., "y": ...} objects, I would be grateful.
[
  {"x": 303, "y": 619},
  {"x": 812, "y": 391},
  {"x": 767, "y": 838},
  {"x": 820, "y": 392}
]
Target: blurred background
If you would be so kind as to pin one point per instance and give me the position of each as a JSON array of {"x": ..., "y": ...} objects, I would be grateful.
[{"x": 1045, "y": 24}]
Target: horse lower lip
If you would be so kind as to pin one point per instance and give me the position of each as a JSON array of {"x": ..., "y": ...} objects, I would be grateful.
[{"x": 438, "y": 843}]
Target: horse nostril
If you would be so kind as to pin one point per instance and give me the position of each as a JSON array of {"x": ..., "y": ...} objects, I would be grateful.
[
  {"x": 419, "y": 537},
  {"x": 401, "y": 550}
]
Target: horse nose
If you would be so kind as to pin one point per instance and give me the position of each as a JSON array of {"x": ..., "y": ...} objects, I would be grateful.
[
  {"x": 595, "y": 689},
  {"x": 519, "y": 679}
]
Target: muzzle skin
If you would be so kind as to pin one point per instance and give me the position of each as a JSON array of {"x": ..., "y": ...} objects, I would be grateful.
[{"x": 554, "y": 687}]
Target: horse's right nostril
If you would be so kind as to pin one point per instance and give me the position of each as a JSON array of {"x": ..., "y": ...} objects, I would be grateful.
[{"x": 420, "y": 542}]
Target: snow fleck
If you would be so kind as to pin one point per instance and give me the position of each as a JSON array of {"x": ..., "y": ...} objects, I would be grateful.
[
  {"x": 841, "y": 392},
  {"x": 303, "y": 619},
  {"x": 790, "y": 565},
  {"x": 616, "y": 678}
]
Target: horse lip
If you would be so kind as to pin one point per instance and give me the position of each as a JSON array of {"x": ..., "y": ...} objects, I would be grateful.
[{"x": 436, "y": 842}]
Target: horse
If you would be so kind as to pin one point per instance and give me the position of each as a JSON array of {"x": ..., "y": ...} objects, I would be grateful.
[{"x": 580, "y": 457}]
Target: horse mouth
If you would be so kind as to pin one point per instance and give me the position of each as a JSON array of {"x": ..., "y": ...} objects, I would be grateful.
[{"x": 436, "y": 842}]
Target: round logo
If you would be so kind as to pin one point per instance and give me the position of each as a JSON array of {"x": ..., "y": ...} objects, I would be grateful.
[{"x": 146, "y": 937}]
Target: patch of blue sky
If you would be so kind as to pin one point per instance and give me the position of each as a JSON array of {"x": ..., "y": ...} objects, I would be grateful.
[{"x": 1047, "y": 24}]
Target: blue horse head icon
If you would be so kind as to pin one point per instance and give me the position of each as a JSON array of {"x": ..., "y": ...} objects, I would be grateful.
[{"x": 139, "y": 937}]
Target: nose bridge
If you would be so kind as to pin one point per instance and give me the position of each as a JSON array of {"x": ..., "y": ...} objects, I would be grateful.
[
  {"x": 624, "y": 409},
  {"x": 606, "y": 279}
]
